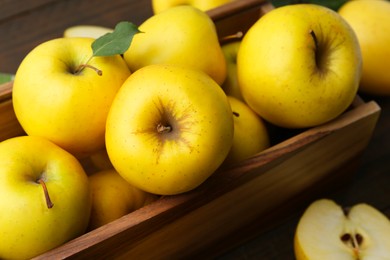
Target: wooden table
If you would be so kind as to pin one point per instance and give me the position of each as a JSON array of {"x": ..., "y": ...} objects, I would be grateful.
[{"x": 24, "y": 24}]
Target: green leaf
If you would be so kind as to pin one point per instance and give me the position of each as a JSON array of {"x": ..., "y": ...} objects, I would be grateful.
[
  {"x": 4, "y": 78},
  {"x": 116, "y": 42}
]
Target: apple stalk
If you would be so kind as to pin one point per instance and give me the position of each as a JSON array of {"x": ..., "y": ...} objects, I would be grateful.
[
  {"x": 353, "y": 241},
  {"x": 49, "y": 203},
  {"x": 237, "y": 36},
  {"x": 320, "y": 54},
  {"x": 82, "y": 66}
]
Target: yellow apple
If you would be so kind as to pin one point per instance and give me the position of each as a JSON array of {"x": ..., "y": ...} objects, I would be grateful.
[
  {"x": 68, "y": 108},
  {"x": 230, "y": 85},
  {"x": 100, "y": 160},
  {"x": 299, "y": 66},
  {"x": 168, "y": 129},
  {"x": 113, "y": 197},
  {"x": 183, "y": 35},
  {"x": 250, "y": 133},
  {"x": 45, "y": 197},
  {"x": 89, "y": 31},
  {"x": 370, "y": 20},
  {"x": 204, "y": 5},
  {"x": 327, "y": 231}
]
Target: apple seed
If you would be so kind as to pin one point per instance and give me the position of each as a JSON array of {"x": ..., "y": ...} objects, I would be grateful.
[
  {"x": 353, "y": 241},
  {"x": 236, "y": 114}
]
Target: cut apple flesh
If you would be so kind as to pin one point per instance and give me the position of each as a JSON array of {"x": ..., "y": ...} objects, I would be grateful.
[{"x": 326, "y": 231}]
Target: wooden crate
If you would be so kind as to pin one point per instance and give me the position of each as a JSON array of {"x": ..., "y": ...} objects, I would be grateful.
[{"x": 250, "y": 194}]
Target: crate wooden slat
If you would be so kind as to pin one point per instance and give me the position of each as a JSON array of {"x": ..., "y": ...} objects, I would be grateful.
[{"x": 236, "y": 198}]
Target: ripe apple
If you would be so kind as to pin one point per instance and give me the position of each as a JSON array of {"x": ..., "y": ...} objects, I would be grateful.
[
  {"x": 299, "y": 65},
  {"x": 53, "y": 101},
  {"x": 204, "y": 5},
  {"x": 182, "y": 35},
  {"x": 45, "y": 197},
  {"x": 168, "y": 129},
  {"x": 100, "y": 160},
  {"x": 230, "y": 85},
  {"x": 327, "y": 231},
  {"x": 250, "y": 133},
  {"x": 89, "y": 31},
  {"x": 370, "y": 19},
  {"x": 113, "y": 197}
]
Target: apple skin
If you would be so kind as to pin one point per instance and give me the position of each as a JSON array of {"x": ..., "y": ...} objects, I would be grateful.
[
  {"x": 230, "y": 85},
  {"x": 180, "y": 159},
  {"x": 27, "y": 226},
  {"x": 161, "y": 5},
  {"x": 370, "y": 20},
  {"x": 70, "y": 110},
  {"x": 324, "y": 223},
  {"x": 182, "y": 35},
  {"x": 299, "y": 66},
  {"x": 250, "y": 133},
  {"x": 113, "y": 197},
  {"x": 100, "y": 160}
]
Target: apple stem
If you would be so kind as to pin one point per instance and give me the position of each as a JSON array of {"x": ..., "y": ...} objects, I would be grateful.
[
  {"x": 236, "y": 36},
  {"x": 314, "y": 38},
  {"x": 49, "y": 203},
  {"x": 82, "y": 66},
  {"x": 86, "y": 65},
  {"x": 356, "y": 244},
  {"x": 163, "y": 129},
  {"x": 317, "y": 51}
]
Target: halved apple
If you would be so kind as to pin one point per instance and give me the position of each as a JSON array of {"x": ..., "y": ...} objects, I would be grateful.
[{"x": 328, "y": 231}]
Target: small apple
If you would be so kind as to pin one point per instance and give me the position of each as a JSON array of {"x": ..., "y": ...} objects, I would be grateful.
[
  {"x": 168, "y": 129},
  {"x": 182, "y": 35},
  {"x": 204, "y": 5},
  {"x": 250, "y": 133},
  {"x": 113, "y": 197},
  {"x": 52, "y": 98},
  {"x": 100, "y": 160},
  {"x": 299, "y": 66},
  {"x": 327, "y": 231},
  {"x": 45, "y": 197},
  {"x": 89, "y": 31},
  {"x": 370, "y": 19},
  {"x": 230, "y": 85}
]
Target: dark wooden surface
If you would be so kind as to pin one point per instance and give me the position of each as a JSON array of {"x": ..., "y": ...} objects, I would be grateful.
[{"x": 25, "y": 23}]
